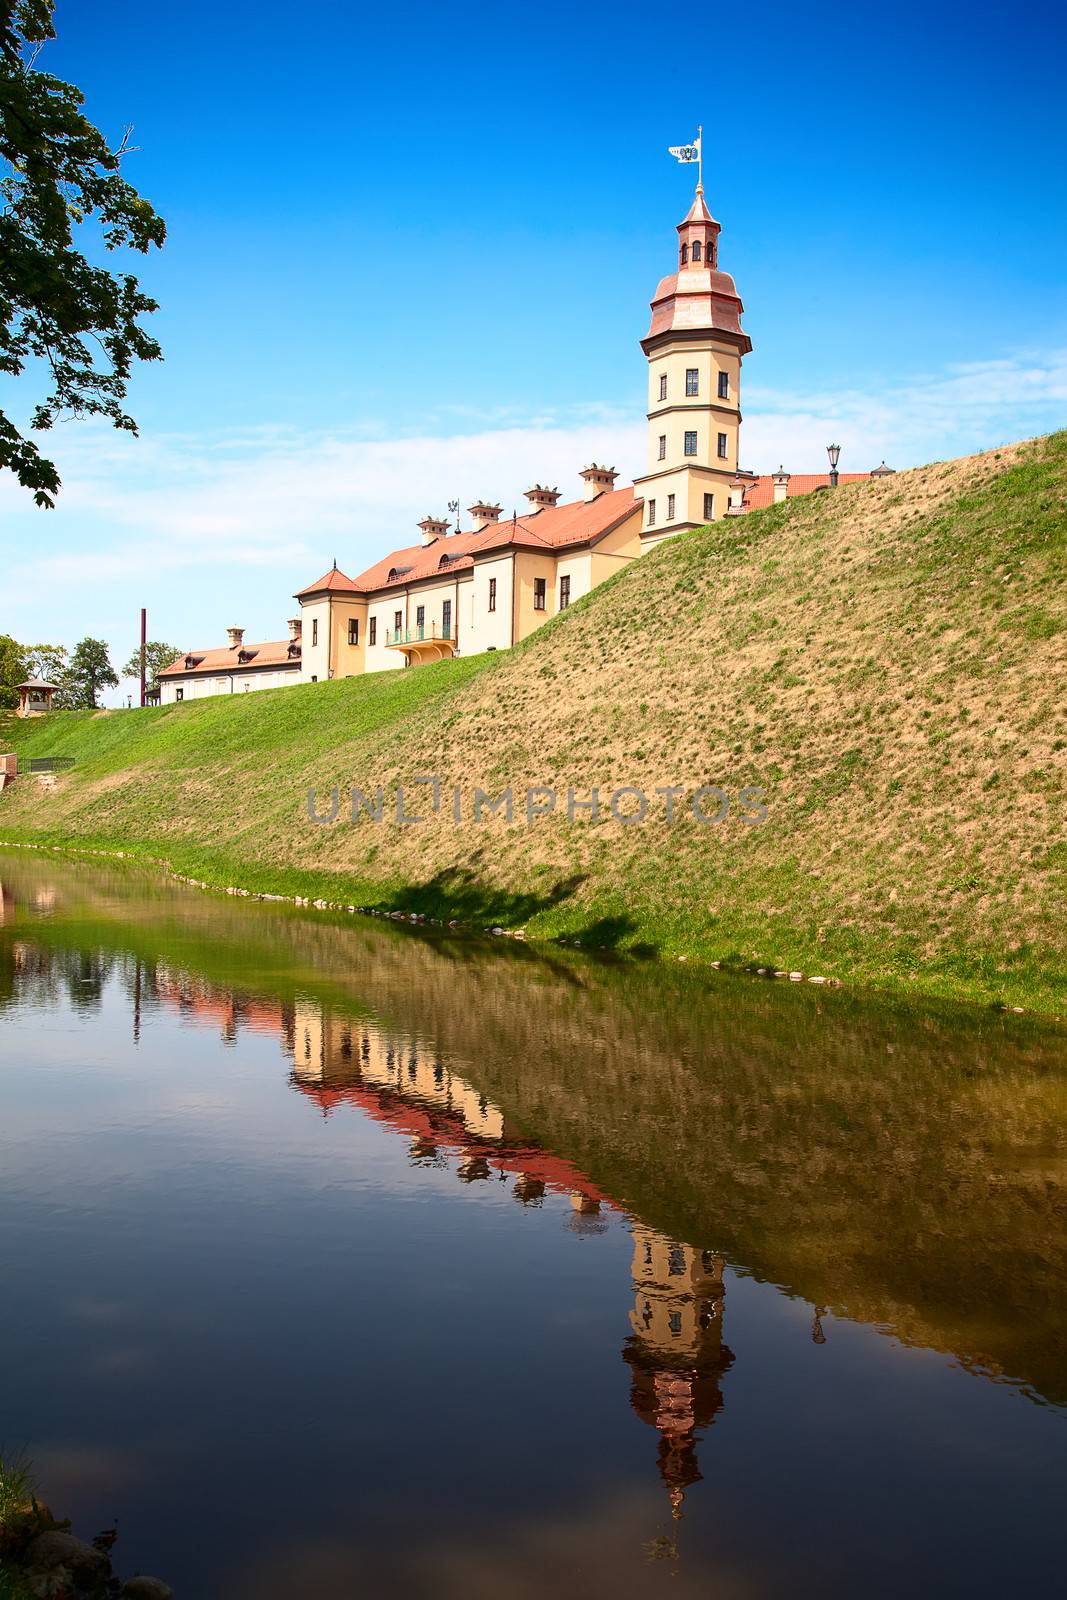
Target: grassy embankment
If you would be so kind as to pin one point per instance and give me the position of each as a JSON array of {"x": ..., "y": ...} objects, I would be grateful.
[{"x": 887, "y": 662}]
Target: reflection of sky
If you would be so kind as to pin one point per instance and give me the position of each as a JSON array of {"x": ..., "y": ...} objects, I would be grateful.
[{"x": 238, "y": 1317}]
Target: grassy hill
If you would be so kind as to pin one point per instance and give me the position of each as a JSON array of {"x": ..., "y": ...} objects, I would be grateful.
[{"x": 887, "y": 662}]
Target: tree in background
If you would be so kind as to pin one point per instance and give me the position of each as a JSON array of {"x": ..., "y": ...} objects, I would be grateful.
[
  {"x": 57, "y": 171},
  {"x": 157, "y": 656},
  {"x": 13, "y": 670},
  {"x": 90, "y": 671},
  {"x": 51, "y": 662}
]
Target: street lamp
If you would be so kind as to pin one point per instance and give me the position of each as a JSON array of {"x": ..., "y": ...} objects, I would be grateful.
[{"x": 834, "y": 452}]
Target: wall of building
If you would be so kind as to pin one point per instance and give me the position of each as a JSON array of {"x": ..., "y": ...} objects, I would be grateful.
[
  {"x": 529, "y": 566},
  {"x": 347, "y": 659},
  {"x": 705, "y": 413},
  {"x": 315, "y": 640},
  {"x": 485, "y": 629},
  {"x": 689, "y": 478},
  {"x": 236, "y": 682}
]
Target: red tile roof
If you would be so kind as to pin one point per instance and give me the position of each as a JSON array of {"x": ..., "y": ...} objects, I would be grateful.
[
  {"x": 759, "y": 492},
  {"x": 582, "y": 522},
  {"x": 272, "y": 653},
  {"x": 332, "y": 581}
]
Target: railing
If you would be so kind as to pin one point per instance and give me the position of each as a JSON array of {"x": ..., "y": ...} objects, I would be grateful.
[
  {"x": 417, "y": 635},
  {"x": 50, "y": 763}
]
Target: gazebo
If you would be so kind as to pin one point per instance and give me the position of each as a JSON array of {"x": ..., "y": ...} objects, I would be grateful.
[{"x": 35, "y": 697}]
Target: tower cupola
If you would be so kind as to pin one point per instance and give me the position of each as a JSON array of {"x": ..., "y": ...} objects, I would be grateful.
[{"x": 698, "y": 237}]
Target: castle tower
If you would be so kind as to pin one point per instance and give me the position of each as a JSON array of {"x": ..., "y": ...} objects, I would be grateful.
[{"x": 694, "y": 346}]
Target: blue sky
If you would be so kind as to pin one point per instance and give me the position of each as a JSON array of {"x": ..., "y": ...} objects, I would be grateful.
[{"x": 410, "y": 255}]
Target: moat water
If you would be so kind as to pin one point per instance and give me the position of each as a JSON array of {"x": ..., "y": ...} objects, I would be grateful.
[{"x": 343, "y": 1260}]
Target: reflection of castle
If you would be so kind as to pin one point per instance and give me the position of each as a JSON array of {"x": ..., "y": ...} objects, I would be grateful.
[{"x": 675, "y": 1351}]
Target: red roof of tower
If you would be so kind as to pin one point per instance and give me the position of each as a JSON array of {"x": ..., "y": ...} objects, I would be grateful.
[{"x": 333, "y": 581}]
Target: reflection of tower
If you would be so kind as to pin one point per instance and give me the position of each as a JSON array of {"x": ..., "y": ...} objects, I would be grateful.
[{"x": 676, "y": 1353}]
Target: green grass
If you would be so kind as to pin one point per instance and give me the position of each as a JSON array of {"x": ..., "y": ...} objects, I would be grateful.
[
  {"x": 16, "y": 1488},
  {"x": 886, "y": 662}
]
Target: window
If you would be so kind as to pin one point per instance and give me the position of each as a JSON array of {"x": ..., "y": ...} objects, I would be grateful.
[
  {"x": 709, "y": 507},
  {"x": 690, "y": 444},
  {"x": 315, "y": 631},
  {"x": 420, "y": 616},
  {"x": 314, "y": 677},
  {"x": 696, "y": 249},
  {"x": 663, "y": 447},
  {"x": 670, "y": 508},
  {"x": 179, "y": 694},
  {"x": 692, "y": 381},
  {"x": 651, "y": 513},
  {"x": 564, "y": 593},
  {"x": 372, "y": 637},
  {"x": 722, "y": 446},
  {"x": 724, "y": 386},
  {"x": 685, "y": 254},
  {"x": 398, "y": 620},
  {"x": 540, "y": 586},
  {"x": 446, "y": 619},
  {"x": 492, "y": 594},
  {"x": 353, "y": 630},
  {"x": 663, "y": 386}
]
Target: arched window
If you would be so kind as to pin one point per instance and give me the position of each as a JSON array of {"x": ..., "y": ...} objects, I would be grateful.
[
  {"x": 696, "y": 249},
  {"x": 685, "y": 254}
]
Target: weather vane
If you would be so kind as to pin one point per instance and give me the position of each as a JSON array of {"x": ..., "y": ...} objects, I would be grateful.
[{"x": 686, "y": 153}]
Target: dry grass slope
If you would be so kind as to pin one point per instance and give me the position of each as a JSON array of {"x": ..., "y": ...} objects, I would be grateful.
[{"x": 886, "y": 662}]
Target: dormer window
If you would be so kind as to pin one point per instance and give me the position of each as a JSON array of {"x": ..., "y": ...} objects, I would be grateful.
[{"x": 696, "y": 249}]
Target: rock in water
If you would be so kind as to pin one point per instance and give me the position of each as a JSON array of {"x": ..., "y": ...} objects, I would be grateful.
[{"x": 87, "y": 1567}]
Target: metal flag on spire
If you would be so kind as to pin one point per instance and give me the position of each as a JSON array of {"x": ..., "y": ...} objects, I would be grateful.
[{"x": 686, "y": 153}]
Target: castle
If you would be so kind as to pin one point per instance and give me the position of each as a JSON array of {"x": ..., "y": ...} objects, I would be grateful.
[{"x": 488, "y": 586}]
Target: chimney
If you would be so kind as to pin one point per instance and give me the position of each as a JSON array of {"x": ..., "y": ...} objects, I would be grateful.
[
  {"x": 295, "y": 626},
  {"x": 597, "y": 479},
  {"x": 234, "y": 637},
  {"x": 738, "y": 490},
  {"x": 483, "y": 515},
  {"x": 540, "y": 497},
  {"x": 433, "y": 528},
  {"x": 780, "y": 480}
]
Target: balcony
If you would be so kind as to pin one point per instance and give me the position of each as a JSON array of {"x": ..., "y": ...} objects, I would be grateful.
[{"x": 426, "y": 642}]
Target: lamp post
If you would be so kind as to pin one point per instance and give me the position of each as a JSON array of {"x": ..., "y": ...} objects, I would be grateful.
[{"x": 834, "y": 452}]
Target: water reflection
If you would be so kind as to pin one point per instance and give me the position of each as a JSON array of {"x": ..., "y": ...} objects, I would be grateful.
[
  {"x": 675, "y": 1352},
  {"x": 670, "y": 1161}
]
